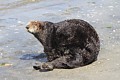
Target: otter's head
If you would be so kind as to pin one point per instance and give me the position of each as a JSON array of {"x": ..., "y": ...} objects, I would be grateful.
[{"x": 34, "y": 26}]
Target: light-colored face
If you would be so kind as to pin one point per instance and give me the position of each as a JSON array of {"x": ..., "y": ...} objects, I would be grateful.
[{"x": 34, "y": 26}]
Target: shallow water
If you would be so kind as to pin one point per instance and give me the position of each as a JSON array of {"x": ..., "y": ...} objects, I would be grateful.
[{"x": 19, "y": 48}]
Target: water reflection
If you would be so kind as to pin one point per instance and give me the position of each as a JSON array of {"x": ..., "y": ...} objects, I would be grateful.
[{"x": 16, "y": 3}]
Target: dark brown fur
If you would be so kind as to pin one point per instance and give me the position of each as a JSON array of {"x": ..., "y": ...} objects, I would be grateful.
[{"x": 68, "y": 44}]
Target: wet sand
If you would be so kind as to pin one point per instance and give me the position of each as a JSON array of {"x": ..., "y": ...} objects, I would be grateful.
[{"x": 18, "y": 48}]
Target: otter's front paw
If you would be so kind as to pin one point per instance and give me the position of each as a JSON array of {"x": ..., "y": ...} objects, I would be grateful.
[{"x": 43, "y": 67}]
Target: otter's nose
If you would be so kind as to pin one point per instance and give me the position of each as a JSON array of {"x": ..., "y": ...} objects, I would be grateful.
[{"x": 27, "y": 27}]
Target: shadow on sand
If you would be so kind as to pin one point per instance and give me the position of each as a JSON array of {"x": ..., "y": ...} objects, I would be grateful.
[{"x": 38, "y": 57}]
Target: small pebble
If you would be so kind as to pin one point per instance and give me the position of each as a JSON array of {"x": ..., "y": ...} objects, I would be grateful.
[
  {"x": 113, "y": 30},
  {"x": 33, "y": 0},
  {"x": 16, "y": 32},
  {"x": 117, "y": 64},
  {"x": 110, "y": 6},
  {"x": 118, "y": 21},
  {"x": 20, "y": 22},
  {"x": 113, "y": 15},
  {"x": 99, "y": 62},
  {"x": 6, "y": 46},
  {"x": 108, "y": 59}
]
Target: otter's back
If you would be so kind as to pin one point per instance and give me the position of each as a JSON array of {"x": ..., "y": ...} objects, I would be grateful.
[{"x": 75, "y": 32}]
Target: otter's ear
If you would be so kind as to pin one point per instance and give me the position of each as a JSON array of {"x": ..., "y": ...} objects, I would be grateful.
[{"x": 40, "y": 24}]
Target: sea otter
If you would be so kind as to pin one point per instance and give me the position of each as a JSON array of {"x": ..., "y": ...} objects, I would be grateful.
[{"x": 68, "y": 44}]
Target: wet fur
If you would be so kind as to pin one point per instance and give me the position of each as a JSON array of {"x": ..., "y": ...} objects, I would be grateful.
[{"x": 68, "y": 44}]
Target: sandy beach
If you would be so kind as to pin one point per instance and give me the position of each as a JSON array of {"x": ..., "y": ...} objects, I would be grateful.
[{"x": 18, "y": 48}]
